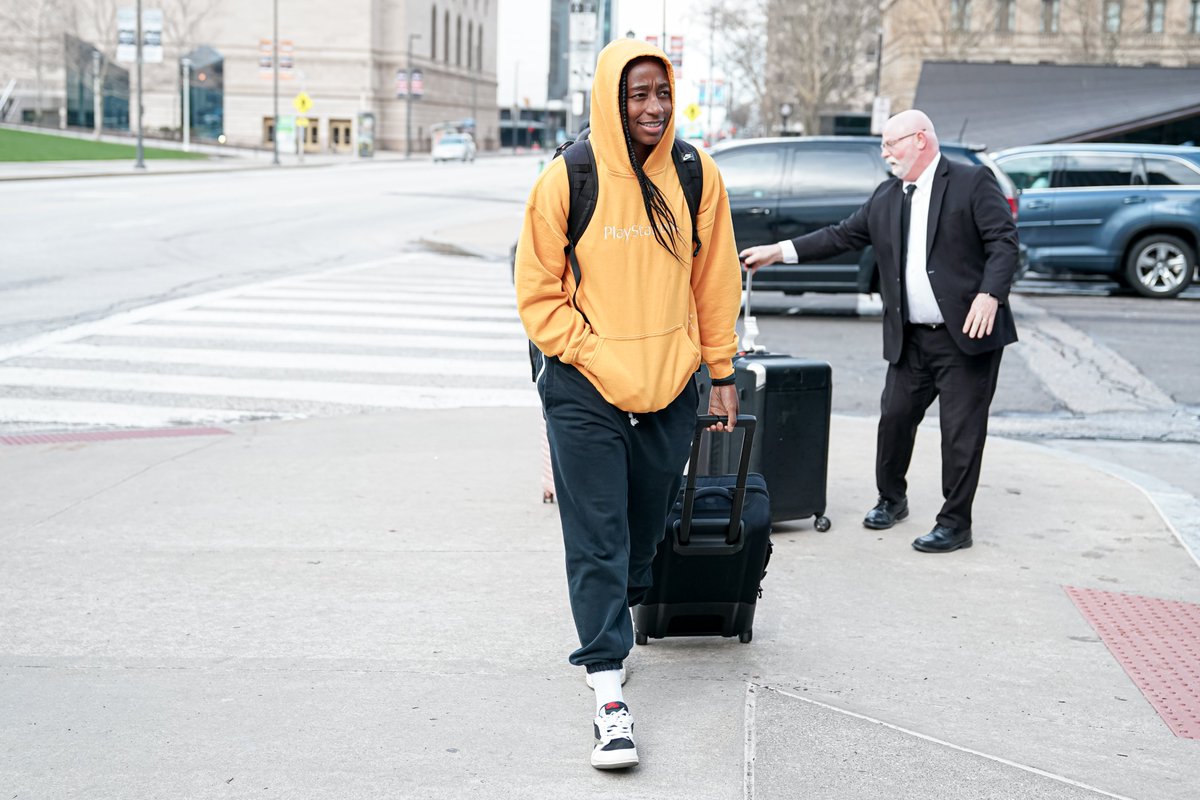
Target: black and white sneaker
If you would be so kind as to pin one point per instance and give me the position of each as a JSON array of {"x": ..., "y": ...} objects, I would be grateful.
[{"x": 614, "y": 747}]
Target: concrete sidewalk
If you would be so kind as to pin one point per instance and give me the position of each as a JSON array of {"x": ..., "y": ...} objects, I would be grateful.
[{"x": 374, "y": 607}]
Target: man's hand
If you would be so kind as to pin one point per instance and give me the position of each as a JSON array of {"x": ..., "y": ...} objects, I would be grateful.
[
  {"x": 981, "y": 317},
  {"x": 754, "y": 257},
  {"x": 723, "y": 402}
]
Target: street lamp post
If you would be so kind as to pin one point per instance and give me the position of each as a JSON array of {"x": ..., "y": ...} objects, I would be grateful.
[
  {"x": 408, "y": 99},
  {"x": 275, "y": 79},
  {"x": 785, "y": 111},
  {"x": 140, "y": 164}
]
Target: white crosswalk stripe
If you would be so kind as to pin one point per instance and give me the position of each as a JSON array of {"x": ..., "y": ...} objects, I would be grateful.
[{"x": 411, "y": 332}]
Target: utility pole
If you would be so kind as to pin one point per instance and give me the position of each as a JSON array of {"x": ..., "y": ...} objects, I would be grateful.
[
  {"x": 516, "y": 111},
  {"x": 97, "y": 96},
  {"x": 141, "y": 164},
  {"x": 712, "y": 87},
  {"x": 474, "y": 103},
  {"x": 408, "y": 99},
  {"x": 186, "y": 64},
  {"x": 663, "y": 42},
  {"x": 275, "y": 80}
]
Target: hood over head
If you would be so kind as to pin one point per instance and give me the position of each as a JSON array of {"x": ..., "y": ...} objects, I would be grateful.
[{"x": 607, "y": 134}]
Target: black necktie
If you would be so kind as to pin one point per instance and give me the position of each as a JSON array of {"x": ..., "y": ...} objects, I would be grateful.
[{"x": 905, "y": 219}]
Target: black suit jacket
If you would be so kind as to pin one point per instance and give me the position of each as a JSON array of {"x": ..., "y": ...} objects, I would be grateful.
[{"x": 971, "y": 248}]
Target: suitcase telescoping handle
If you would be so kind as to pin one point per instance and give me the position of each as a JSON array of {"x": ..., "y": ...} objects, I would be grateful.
[
  {"x": 749, "y": 322},
  {"x": 746, "y": 423}
]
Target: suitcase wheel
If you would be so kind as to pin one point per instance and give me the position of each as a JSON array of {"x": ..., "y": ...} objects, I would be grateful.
[
  {"x": 640, "y": 637},
  {"x": 821, "y": 523},
  {"x": 745, "y": 636}
]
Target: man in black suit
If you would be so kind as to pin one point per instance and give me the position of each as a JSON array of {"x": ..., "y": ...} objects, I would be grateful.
[{"x": 946, "y": 249}]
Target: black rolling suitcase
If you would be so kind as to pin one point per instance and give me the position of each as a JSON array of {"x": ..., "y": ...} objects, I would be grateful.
[
  {"x": 710, "y": 564},
  {"x": 791, "y": 398}
]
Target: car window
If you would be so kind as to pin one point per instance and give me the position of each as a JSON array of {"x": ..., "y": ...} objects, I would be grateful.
[
  {"x": 1029, "y": 172},
  {"x": 958, "y": 156},
  {"x": 1168, "y": 172},
  {"x": 1095, "y": 169},
  {"x": 751, "y": 171},
  {"x": 826, "y": 171},
  {"x": 452, "y": 139}
]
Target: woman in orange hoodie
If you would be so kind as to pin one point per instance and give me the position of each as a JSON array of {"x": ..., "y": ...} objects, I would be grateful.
[{"x": 619, "y": 355}]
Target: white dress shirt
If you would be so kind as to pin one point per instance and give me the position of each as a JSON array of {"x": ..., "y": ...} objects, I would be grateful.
[{"x": 922, "y": 305}]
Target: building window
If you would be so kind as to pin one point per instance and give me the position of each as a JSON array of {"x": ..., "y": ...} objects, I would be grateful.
[
  {"x": 1112, "y": 16},
  {"x": 1006, "y": 16},
  {"x": 1050, "y": 16},
  {"x": 1155, "y": 10},
  {"x": 446, "y": 38},
  {"x": 470, "y": 44},
  {"x": 458, "y": 42},
  {"x": 960, "y": 15},
  {"x": 1194, "y": 22},
  {"x": 479, "y": 49},
  {"x": 432, "y": 35}
]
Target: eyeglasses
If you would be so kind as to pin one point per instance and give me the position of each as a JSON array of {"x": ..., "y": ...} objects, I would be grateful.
[{"x": 888, "y": 144}]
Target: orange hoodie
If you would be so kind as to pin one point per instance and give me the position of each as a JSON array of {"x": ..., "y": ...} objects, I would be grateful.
[{"x": 653, "y": 317}]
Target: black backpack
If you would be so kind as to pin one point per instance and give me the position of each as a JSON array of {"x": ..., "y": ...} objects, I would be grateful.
[{"x": 581, "y": 172}]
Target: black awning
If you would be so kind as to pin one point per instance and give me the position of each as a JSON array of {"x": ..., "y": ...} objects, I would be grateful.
[{"x": 1004, "y": 105}]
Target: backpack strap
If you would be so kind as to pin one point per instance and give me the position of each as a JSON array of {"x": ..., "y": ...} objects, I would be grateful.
[
  {"x": 691, "y": 176},
  {"x": 581, "y": 172}
]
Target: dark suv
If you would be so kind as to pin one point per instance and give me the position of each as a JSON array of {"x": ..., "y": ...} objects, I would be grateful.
[
  {"x": 1130, "y": 211},
  {"x": 780, "y": 188}
]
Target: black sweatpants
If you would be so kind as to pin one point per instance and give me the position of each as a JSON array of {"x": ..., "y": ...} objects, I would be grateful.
[{"x": 616, "y": 482}]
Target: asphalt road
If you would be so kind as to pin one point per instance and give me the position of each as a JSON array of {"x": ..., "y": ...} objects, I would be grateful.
[{"x": 79, "y": 250}]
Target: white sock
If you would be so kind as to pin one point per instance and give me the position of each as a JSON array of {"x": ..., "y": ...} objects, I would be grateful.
[{"x": 608, "y": 687}]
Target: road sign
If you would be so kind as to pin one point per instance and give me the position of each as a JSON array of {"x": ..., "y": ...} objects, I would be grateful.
[
  {"x": 302, "y": 102},
  {"x": 152, "y": 26},
  {"x": 691, "y": 111},
  {"x": 302, "y": 122},
  {"x": 881, "y": 109}
]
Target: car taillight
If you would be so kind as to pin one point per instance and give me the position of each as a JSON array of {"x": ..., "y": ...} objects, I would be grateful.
[{"x": 1012, "y": 204}]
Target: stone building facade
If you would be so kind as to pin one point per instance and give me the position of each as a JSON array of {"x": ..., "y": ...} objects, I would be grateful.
[
  {"x": 1162, "y": 33},
  {"x": 347, "y": 56}
]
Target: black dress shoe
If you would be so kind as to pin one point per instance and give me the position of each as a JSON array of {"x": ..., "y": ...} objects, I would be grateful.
[
  {"x": 943, "y": 539},
  {"x": 886, "y": 514}
]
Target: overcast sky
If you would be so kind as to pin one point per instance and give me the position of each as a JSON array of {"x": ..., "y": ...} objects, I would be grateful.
[{"x": 524, "y": 41}]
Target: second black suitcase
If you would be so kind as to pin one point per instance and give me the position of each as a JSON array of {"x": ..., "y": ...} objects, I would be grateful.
[
  {"x": 709, "y": 566},
  {"x": 792, "y": 399}
]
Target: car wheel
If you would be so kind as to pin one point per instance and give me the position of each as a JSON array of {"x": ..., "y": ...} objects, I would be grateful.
[{"x": 1160, "y": 265}]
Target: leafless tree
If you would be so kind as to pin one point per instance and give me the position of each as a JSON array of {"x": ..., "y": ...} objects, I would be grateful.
[
  {"x": 807, "y": 53},
  {"x": 183, "y": 22},
  {"x": 1093, "y": 42},
  {"x": 33, "y": 31},
  {"x": 945, "y": 30}
]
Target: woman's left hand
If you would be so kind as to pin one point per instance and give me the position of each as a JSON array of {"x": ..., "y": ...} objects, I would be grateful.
[{"x": 723, "y": 402}]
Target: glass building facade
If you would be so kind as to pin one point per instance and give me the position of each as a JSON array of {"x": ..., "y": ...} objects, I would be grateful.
[
  {"x": 82, "y": 62},
  {"x": 206, "y": 88}
]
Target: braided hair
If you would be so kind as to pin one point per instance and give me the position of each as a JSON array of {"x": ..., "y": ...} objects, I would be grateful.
[{"x": 657, "y": 208}]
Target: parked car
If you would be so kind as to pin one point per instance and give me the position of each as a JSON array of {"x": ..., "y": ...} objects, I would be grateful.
[
  {"x": 454, "y": 147},
  {"x": 1130, "y": 211},
  {"x": 783, "y": 187}
]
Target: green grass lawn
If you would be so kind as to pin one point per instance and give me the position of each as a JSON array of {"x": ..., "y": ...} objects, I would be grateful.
[{"x": 23, "y": 146}]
